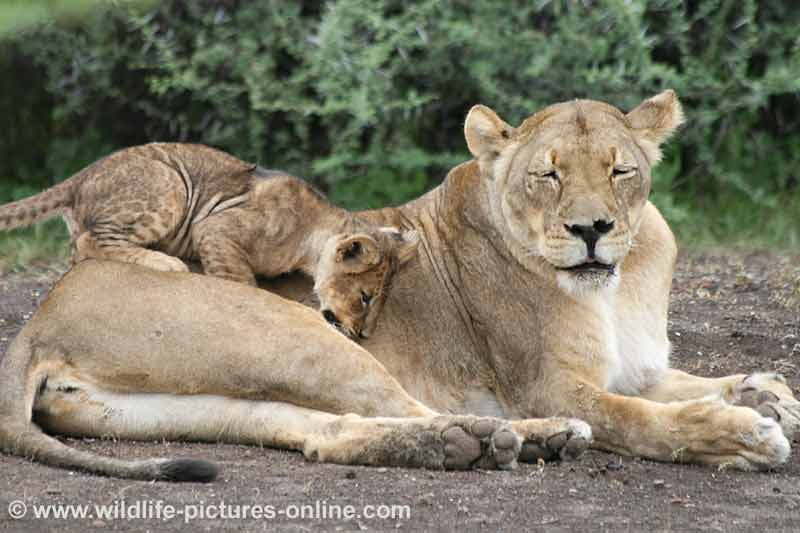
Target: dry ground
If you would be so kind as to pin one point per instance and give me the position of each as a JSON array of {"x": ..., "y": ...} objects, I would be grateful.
[{"x": 730, "y": 313}]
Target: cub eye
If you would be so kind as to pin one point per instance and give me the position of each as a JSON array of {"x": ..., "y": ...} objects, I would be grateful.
[{"x": 365, "y": 298}]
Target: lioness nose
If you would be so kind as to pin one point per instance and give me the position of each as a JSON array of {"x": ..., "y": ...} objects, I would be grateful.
[
  {"x": 590, "y": 234},
  {"x": 330, "y": 316}
]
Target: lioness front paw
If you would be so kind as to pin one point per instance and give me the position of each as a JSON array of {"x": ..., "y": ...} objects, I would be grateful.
[
  {"x": 714, "y": 432},
  {"x": 480, "y": 443},
  {"x": 768, "y": 394},
  {"x": 552, "y": 438}
]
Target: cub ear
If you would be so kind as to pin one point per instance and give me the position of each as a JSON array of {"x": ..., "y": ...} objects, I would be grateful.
[
  {"x": 404, "y": 244},
  {"x": 486, "y": 133},
  {"x": 655, "y": 120},
  {"x": 357, "y": 252}
]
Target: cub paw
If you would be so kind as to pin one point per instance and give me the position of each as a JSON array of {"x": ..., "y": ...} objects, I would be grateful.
[
  {"x": 480, "y": 443},
  {"x": 769, "y": 395},
  {"x": 164, "y": 263}
]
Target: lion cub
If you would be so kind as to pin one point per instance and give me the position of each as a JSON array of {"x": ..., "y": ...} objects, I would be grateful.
[{"x": 159, "y": 203}]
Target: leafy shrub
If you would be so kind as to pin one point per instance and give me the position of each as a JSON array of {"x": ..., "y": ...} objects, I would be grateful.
[{"x": 367, "y": 98}]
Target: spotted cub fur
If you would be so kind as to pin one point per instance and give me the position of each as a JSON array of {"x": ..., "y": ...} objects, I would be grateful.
[{"x": 161, "y": 203}]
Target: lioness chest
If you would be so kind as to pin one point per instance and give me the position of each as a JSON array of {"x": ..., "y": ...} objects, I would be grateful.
[{"x": 636, "y": 350}]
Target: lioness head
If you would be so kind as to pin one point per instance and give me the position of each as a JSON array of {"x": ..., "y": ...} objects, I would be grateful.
[
  {"x": 569, "y": 184},
  {"x": 355, "y": 274}
]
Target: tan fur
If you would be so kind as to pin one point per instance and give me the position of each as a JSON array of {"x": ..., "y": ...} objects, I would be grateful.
[
  {"x": 487, "y": 319},
  {"x": 159, "y": 203}
]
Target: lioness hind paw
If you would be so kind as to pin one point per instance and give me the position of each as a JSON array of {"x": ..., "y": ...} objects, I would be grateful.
[
  {"x": 568, "y": 444},
  {"x": 481, "y": 443}
]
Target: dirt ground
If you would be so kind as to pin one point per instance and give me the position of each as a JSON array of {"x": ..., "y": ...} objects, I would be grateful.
[{"x": 731, "y": 313}]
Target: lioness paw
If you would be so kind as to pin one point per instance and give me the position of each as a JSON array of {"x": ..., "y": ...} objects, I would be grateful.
[
  {"x": 769, "y": 446},
  {"x": 768, "y": 394},
  {"x": 715, "y": 432},
  {"x": 480, "y": 443},
  {"x": 553, "y": 438}
]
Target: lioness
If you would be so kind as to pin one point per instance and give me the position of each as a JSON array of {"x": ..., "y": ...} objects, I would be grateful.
[
  {"x": 541, "y": 291},
  {"x": 156, "y": 203}
]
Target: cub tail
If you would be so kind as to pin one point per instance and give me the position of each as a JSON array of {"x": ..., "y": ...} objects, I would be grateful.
[{"x": 46, "y": 204}]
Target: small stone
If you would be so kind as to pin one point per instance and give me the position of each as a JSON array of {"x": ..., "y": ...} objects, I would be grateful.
[
  {"x": 796, "y": 349},
  {"x": 350, "y": 474},
  {"x": 383, "y": 470},
  {"x": 99, "y": 523},
  {"x": 659, "y": 483},
  {"x": 573, "y": 491},
  {"x": 427, "y": 499},
  {"x": 776, "y": 490}
]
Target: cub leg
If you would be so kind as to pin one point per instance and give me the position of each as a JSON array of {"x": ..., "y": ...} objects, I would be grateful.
[
  {"x": 767, "y": 393},
  {"x": 87, "y": 247},
  {"x": 706, "y": 430},
  {"x": 220, "y": 251},
  {"x": 127, "y": 211}
]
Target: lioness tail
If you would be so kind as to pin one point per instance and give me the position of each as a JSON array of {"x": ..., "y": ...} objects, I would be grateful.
[{"x": 20, "y": 436}]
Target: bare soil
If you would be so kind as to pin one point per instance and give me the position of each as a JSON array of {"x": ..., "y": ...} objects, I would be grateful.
[{"x": 731, "y": 313}]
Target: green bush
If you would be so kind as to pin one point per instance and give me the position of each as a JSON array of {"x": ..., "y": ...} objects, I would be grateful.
[{"x": 368, "y": 98}]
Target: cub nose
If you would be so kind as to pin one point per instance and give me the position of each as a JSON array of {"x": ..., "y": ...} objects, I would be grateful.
[
  {"x": 590, "y": 234},
  {"x": 330, "y": 316}
]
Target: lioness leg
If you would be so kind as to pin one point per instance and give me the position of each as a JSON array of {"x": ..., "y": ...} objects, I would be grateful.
[
  {"x": 436, "y": 441},
  {"x": 767, "y": 393},
  {"x": 706, "y": 430}
]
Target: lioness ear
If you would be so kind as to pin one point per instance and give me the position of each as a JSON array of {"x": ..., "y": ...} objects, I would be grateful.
[
  {"x": 654, "y": 120},
  {"x": 358, "y": 252},
  {"x": 486, "y": 132}
]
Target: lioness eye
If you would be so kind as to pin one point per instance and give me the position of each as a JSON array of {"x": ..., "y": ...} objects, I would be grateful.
[
  {"x": 365, "y": 298},
  {"x": 550, "y": 174},
  {"x": 623, "y": 171}
]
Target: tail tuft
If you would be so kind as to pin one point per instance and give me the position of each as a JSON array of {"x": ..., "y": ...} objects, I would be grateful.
[{"x": 186, "y": 469}]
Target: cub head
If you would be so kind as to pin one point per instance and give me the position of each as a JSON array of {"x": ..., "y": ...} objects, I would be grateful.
[
  {"x": 355, "y": 274},
  {"x": 568, "y": 186}
]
